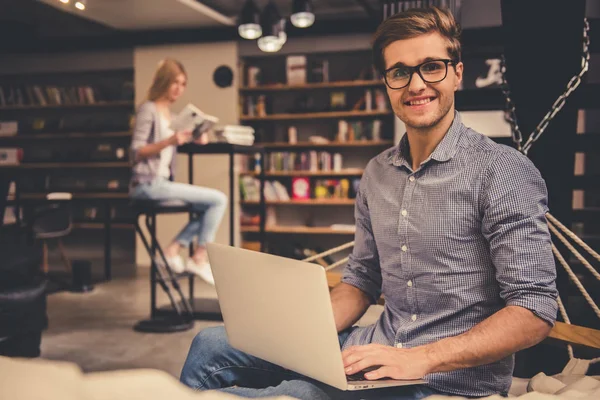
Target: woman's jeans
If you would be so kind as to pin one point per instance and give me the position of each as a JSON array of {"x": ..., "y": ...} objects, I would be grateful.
[
  {"x": 208, "y": 204},
  {"x": 213, "y": 364}
]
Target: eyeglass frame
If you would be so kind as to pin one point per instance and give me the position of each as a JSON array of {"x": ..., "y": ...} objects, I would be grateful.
[{"x": 417, "y": 69}]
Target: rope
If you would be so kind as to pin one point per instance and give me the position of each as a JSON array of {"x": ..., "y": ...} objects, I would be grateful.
[
  {"x": 570, "y": 247},
  {"x": 337, "y": 264},
  {"x": 575, "y": 280},
  {"x": 573, "y": 236},
  {"x": 329, "y": 252},
  {"x": 563, "y": 313}
]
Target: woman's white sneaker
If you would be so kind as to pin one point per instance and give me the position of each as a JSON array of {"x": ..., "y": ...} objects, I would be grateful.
[
  {"x": 203, "y": 270},
  {"x": 176, "y": 264}
]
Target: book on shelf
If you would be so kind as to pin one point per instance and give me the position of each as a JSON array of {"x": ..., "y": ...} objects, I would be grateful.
[
  {"x": 273, "y": 190},
  {"x": 350, "y": 131},
  {"x": 312, "y": 161}
]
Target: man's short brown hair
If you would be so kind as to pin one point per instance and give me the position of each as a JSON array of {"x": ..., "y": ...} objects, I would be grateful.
[{"x": 416, "y": 22}]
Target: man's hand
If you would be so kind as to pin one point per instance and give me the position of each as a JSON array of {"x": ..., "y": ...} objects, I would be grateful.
[{"x": 393, "y": 363}]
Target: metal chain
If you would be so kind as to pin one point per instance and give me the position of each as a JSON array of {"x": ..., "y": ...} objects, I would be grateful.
[
  {"x": 510, "y": 114},
  {"x": 558, "y": 104}
]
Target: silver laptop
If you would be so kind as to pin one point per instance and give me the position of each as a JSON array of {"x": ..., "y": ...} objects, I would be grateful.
[{"x": 278, "y": 309}]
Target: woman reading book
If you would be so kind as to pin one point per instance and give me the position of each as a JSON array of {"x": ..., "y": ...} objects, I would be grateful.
[{"x": 153, "y": 147}]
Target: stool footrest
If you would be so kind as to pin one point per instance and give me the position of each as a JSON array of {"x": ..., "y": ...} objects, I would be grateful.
[{"x": 164, "y": 324}]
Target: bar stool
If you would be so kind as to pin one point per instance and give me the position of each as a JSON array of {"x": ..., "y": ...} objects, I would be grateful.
[{"x": 161, "y": 273}]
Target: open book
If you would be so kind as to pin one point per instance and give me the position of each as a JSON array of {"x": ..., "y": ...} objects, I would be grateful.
[{"x": 192, "y": 118}]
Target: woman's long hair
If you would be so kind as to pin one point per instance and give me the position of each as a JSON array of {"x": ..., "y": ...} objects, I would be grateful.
[{"x": 165, "y": 75}]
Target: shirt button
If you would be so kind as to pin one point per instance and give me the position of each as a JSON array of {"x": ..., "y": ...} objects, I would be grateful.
[
  {"x": 412, "y": 179},
  {"x": 404, "y": 213},
  {"x": 409, "y": 283},
  {"x": 399, "y": 345},
  {"x": 404, "y": 248},
  {"x": 414, "y": 317}
]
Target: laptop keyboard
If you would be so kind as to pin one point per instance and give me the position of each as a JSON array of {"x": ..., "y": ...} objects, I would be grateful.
[{"x": 360, "y": 376}]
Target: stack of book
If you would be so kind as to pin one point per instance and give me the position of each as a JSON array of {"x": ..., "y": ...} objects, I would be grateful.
[{"x": 235, "y": 134}]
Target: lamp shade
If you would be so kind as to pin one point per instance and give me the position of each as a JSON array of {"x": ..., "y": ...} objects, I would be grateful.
[
  {"x": 273, "y": 29},
  {"x": 302, "y": 14},
  {"x": 249, "y": 21}
]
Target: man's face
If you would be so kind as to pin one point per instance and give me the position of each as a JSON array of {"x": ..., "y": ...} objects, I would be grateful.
[{"x": 422, "y": 105}]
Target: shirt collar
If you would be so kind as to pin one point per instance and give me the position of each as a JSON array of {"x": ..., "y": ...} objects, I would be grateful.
[{"x": 444, "y": 151}]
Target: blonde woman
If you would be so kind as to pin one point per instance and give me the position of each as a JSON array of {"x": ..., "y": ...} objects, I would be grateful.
[{"x": 154, "y": 148}]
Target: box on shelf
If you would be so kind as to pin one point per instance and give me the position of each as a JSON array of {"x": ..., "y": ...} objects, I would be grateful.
[
  {"x": 296, "y": 70},
  {"x": 9, "y": 128},
  {"x": 10, "y": 155}
]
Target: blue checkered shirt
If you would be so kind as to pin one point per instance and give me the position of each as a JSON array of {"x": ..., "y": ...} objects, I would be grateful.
[{"x": 450, "y": 244}]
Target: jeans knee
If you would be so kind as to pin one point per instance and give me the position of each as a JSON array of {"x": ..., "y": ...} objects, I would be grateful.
[
  {"x": 209, "y": 342},
  {"x": 207, "y": 347}
]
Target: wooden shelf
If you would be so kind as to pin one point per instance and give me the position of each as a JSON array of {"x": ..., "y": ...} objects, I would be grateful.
[
  {"x": 358, "y": 143},
  {"x": 73, "y": 135},
  {"x": 108, "y": 164},
  {"x": 90, "y": 195},
  {"x": 305, "y": 230},
  {"x": 100, "y": 225},
  {"x": 320, "y": 85},
  {"x": 311, "y": 202},
  {"x": 347, "y": 172},
  {"x": 316, "y": 115},
  {"x": 66, "y": 106}
]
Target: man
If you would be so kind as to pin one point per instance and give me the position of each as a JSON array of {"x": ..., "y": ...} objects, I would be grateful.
[{"x": 450, "y": 227}]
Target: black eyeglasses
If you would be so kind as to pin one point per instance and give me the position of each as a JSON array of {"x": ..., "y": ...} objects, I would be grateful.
[{"x": 432, "y": 71}]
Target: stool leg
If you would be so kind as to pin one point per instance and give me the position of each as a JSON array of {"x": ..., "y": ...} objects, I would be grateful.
[
  {"x": 63, "y": 254},
  {"x": 45, "y": 266},
  {"x": 193, "y": 215},
  {"x": 150, "y": 245},
  {"x": 162, "y": 277}
]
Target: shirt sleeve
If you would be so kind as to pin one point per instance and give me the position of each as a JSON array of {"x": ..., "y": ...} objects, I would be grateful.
[
  {"x": 363, "y": 270},
  {"x": 514, "y": 204},
  {"x": 142, "y": 129}
]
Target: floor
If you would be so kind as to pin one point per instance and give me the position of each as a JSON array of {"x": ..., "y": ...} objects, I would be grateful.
[{"x": 94, "y": 329}]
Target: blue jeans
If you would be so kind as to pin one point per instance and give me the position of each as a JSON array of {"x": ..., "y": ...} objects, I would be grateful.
[
  {"x": 209, "y": 204},
  {"x": 213, "y": 364}
]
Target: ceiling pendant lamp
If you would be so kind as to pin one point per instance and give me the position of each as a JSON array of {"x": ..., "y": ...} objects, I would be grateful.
[
  {"x": 273, "y": 28},
  {"x": 302, "y": 14},
  {"x": 249, "y": 23}
]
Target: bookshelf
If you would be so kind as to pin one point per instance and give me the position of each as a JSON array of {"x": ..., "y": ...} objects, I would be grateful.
[
  {"x": 323, "y": 202},
  {"x": 303, "y": 145},
  {"x": 307, "y": 86},
  {"x": 335, "y": 114},
  {"x": 74, "y": 131},
  {"x": 302, "y": 230},
  {"x": 348, "y": 172},
  {"x": 339, "y": 118}
]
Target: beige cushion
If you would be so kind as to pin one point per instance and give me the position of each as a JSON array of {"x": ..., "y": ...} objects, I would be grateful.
[{"x": 26, "y": 379}]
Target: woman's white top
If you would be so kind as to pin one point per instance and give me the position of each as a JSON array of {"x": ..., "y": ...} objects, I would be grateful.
[{"x": 166, "y": 154}]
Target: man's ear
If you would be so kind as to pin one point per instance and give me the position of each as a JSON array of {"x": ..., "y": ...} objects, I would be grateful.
[{"x": 458, "y": 68}]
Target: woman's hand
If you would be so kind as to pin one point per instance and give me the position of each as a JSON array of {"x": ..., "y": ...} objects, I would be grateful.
[
  {"x": 181, "y": 137},
  {"x": 202, "y": 139}
]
